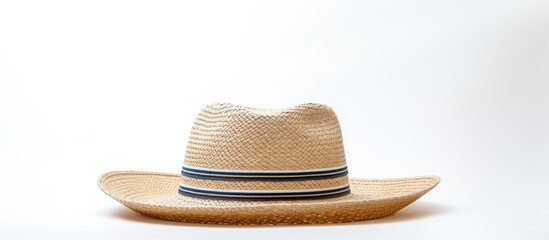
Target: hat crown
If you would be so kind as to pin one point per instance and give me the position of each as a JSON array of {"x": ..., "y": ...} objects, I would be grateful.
[
  {"x": 242, "y": 153},
  {"x": 232, "y": 137}
]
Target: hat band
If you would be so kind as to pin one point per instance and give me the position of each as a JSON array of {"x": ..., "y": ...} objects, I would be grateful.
[
  {"x": 264, "y": 175},
  {"x": 223, "y": 194}
]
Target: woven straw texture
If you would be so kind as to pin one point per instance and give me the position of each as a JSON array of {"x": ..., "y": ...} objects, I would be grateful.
[
  {"x": 242, "y": 139},
  {"x": 232, "y": 137},
  {"x": 227, "y": 136},
  {"x": 155, "y": 195}
]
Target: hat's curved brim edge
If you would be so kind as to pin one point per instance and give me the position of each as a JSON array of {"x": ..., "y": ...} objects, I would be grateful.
[{"x": 155, "y": 194}]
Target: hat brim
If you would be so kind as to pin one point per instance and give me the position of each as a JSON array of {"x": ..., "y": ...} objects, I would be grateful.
[{"x": 156, "y": 195}]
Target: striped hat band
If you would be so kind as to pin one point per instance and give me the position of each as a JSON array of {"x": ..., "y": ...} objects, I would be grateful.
[
  {"x": 251, "y": 175},
  {"x": 262, "y": 176},
  {"x": 264, "y": 194}
]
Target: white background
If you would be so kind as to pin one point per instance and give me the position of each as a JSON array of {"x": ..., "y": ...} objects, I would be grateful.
[{"x": 459, "y": 89}]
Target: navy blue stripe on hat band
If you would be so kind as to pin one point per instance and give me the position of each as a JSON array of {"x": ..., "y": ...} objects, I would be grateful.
[
  {"x": 263, "y": 195},
  {"x": 269, "y": 179},
  {"x": 244, "y": 175}
]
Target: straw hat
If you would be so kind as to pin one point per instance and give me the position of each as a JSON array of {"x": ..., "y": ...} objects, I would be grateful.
[{"x": 262, "y": 166}]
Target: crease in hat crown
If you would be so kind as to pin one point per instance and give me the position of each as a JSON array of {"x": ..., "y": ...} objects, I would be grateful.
[{"x": 242, "y": 153}]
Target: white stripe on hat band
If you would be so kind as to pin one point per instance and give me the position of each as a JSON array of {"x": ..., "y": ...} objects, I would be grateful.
[
  {"x": 267, "y": 197},
  {"x": 263, "y": 171},
  {"x": 265, "y": 176},
  {"x": 266, "y": 191}
]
